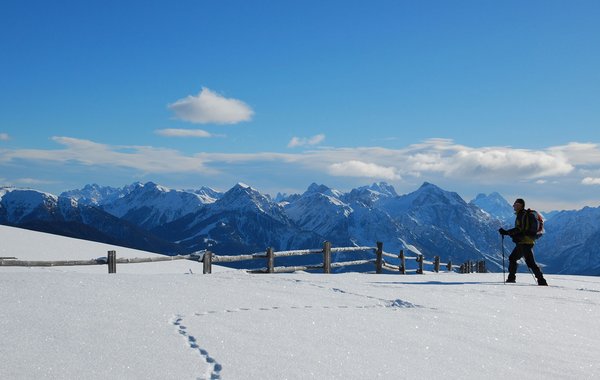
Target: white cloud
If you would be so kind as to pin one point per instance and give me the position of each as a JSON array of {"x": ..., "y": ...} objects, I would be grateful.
[
  {"x": 169, "y": 132},
  {"x": 428, "y": 160},
  {"x": 590, "y": 181},
  {"x": 302, "y": 141},
  {"x": 32, "y": 181},
  {"x": 362, "y": 169},
  {"x": 4, "y": 137},
  {"x": 454, "y": 160},
  {"x": 210, "y": 107},
  {"x": 578, "y": 153},
  {"x": 85, "y": 152}
]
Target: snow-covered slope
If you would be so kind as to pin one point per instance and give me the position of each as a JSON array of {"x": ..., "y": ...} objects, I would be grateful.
[
  {"x": 32, "y": 245},
  {"x": 154, "y": 322}
]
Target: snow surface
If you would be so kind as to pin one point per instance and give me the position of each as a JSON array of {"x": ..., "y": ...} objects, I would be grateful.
[{"x": 168, "y": 321}]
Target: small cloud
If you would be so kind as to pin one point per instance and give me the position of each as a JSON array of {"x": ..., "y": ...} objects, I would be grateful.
[
  {"x": 33, "y": 181},
  {"x": 590, "y": 181},
  {"x": 541, "y": 181},
  {"x": 302, "y": 141},
  {"x": 169, "y": 132},
  {"x": 355, "y": 168},
  {"x": 210, "y": 107},
  {"x": 25, "y": 182},
  {"x": 4, "y": 137}
]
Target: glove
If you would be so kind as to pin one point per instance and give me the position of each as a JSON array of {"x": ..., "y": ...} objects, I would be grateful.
[{"x": 503, "y": 231}]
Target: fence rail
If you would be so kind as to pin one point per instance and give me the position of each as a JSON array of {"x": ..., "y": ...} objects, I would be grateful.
[{"x": 208, "y": 258}]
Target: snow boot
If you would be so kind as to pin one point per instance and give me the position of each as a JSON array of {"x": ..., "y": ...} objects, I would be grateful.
[
  {"x": 542, "y": 282},
  {"x": 511, "y": 279}
]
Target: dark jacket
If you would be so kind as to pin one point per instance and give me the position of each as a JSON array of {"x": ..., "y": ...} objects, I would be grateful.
[{"x": 525, "y": 228}]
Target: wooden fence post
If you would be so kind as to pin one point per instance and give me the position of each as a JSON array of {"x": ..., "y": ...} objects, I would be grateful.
[
  {"x": 402, "y": 266},
  {"x": 112, "y": 261},
  {"x": 449, "y": 265},
  {"x": 379, "y": 260},
  {"x": 270, "y": 260},
  {"x": 420, "y": 261},
  {"x": 481, "y": 266},
  {"x": 327, "y": 257},
  {"x": 207, "y": 263},
  {"x": 436, "y": 264}
]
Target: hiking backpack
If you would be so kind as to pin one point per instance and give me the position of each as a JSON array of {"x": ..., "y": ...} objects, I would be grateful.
[{"x": 539, "y": 221}]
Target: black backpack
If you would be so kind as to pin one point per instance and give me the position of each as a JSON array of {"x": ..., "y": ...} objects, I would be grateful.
[{"x": 536, "y": 230}]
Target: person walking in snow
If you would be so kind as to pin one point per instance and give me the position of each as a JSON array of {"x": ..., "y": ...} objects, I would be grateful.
[{"x": 522, "y": 235}]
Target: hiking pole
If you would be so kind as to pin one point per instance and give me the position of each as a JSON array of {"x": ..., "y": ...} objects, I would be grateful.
[
  {"x": 503, "y": 261},
  {"x": 529, "y": 269}
]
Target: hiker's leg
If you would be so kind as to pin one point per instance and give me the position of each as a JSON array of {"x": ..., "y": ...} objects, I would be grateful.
[
  {"x": 515, "y": 256},
  {"x": 530, "y": 261}
]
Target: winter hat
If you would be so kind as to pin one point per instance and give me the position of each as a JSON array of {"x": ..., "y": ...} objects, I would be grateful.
[{"x": 521, "y": 201}]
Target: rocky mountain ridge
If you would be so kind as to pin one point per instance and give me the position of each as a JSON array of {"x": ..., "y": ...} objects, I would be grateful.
[{"x": 430, "y": 220}]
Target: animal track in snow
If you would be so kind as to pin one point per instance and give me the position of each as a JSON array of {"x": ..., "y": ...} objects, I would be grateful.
[
  {"x": 385, "y": 302},
  {"x": 213, "y": 371},
  {"x": 214, "y": 368},
  {"x": 398, "y": 303}
]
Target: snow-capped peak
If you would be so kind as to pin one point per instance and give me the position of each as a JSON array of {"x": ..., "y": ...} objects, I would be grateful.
[
  {"x": 495, "y": 205},
  {"x": 207, "y": 194},
  {"x": 20, "y": 203},
  {"x": 429, "y": 193},
  {"x": 243, "y": 197},
  {"x": 152, "y": 185},
  {"x": 381, "y": 188},
  {"x": 97, "y": 195},
  {"x": 322, "y": 189}
]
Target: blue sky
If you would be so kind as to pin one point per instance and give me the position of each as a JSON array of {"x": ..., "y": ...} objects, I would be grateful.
[{"x": 474, "y": 96}]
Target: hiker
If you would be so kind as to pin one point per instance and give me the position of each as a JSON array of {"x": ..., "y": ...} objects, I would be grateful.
[{"x": 523, "y": 236}]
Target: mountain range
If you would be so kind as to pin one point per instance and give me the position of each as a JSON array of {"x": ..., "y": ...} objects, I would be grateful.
[{"x": 429, "y": 220}]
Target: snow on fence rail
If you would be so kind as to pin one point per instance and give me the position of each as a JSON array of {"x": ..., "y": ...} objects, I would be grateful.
[{"x": 208, "y": 258}]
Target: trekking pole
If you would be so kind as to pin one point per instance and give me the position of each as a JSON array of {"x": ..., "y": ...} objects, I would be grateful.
[
  {"x": 529, "y": 269},
  {"x": 503, "y": 261}
]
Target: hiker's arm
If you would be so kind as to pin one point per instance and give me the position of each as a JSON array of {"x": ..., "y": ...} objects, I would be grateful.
[
  {"x": 513, "y": 231},
  {"x": 515, "y": 234}
]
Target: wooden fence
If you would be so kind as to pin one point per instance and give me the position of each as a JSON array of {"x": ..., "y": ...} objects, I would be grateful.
[{"x": 208, "y": 258}]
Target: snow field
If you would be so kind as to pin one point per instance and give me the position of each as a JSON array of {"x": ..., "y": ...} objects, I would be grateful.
[{"x": 71, "y": 324}]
